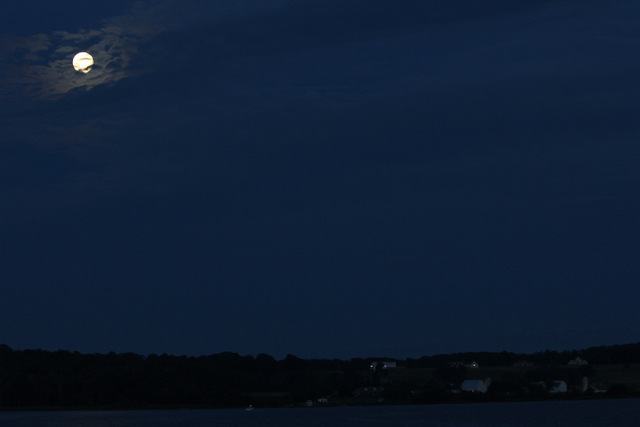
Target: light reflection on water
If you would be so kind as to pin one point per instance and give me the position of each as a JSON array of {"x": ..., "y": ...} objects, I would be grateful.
[{"x": 623, "y": 412}]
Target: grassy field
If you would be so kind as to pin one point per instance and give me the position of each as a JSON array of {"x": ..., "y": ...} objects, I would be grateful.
[{"x": 618, "y": 374}]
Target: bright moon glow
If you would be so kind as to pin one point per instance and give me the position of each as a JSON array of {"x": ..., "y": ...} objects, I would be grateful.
[{"x": 83, "y": 62}]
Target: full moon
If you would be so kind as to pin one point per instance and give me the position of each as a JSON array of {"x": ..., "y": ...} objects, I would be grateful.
[{"x": 83, "y": 62}]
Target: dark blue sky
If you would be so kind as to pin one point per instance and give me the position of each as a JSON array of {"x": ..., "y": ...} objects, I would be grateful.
[{"x": 323, "y": 178}]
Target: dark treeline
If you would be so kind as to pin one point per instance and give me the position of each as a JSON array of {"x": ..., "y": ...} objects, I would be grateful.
[
  {"x": 64, "y": 379},
  {"x": 616, "y": 354}
]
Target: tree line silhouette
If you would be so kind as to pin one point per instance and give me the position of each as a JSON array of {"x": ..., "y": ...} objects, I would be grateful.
[{"x": 65, "y": 379}]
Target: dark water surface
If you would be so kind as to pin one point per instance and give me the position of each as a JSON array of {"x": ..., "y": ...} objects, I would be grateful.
[{"x": 620, "y": 412}]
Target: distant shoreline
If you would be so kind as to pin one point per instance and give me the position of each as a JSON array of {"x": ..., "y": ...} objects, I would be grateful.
[{"x": 38, "y": 380}]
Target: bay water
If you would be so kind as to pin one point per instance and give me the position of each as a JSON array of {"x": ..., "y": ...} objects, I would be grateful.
[{"x": 608, "y": 412}]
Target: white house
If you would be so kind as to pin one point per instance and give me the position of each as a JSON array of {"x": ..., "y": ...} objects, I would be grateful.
[
  {"x": 476, "y": 386},
  {"x": 558, "y": 387}
]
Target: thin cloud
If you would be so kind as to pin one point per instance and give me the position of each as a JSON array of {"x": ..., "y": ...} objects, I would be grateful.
[{"x": 39, "y": 66}]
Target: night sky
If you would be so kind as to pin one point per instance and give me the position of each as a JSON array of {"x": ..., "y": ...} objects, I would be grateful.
[{"x": 326, "y": 178}]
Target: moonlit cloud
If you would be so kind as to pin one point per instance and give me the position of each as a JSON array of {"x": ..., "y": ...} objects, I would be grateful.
[{"x": 39, "y": 66}]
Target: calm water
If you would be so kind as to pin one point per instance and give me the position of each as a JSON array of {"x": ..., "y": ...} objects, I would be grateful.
[{"x": 576, "y": 413}]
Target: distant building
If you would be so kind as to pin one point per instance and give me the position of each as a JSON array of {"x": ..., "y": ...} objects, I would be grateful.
[
  {"x": 368, "y": 391},
  {"x": 523, "y": 364},
  {"x": 472, "y": 365},
  {"x": 578, "y": 362},
  {"x": 321, "y": 401},
  {"x": 539, "y": 385},
  {"x": 383, "y": 365},
  {"x": 558, "y": 387},
  {"x": 476, "y": 386},
  {"x": 585, "y": 385}
]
